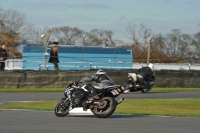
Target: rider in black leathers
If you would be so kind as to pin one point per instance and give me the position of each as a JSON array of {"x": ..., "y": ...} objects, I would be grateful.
[
  {"x": 145, "y": 74},
  {"x": 99, "y": 78}
]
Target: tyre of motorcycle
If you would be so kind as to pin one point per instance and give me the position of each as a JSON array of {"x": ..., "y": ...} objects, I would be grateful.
[
  {"x": 147, "y": 89},
  {"x": 62, "y": 108},
  {"x": 105, "y": 108}
]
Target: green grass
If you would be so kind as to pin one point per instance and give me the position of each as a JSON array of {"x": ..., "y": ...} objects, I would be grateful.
[
  {"x": 32, "y": 90},
  {"x": 62, "y": 89},
  {"x": 167, "y": 107},
  {"x": 162, "y": 107},
  {"x": 43, "y": 105},
  {"x": 175, "y": 89}
]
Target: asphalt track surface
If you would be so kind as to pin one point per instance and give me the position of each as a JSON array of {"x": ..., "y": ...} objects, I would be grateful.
[
  {"x": 26, "y": 121},
  {"x": 43, "y": 96}
]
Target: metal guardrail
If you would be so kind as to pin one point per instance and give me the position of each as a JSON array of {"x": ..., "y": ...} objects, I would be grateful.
[
  {"x": 38, "y": 65},
  {"x": 19, "y": 64},
  {"x": 169, "y": 66}
]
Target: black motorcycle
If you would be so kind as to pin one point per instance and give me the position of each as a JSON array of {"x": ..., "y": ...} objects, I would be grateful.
[
  {"x": 135, "y": 83},
  {"x": 102, "y": 105},
  {"x": 98, "y": 79}
]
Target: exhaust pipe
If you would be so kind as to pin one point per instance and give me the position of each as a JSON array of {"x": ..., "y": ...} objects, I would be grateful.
[{"x": 120, "y": 100}]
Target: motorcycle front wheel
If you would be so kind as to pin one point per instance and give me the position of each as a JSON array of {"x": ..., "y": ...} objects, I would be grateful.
[
  {"x": 62, "y": 108},
  {"x": 106, "y": 107}
]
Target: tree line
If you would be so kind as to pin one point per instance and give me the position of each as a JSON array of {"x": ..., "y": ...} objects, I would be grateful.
[{"x": 174, "y": 47}]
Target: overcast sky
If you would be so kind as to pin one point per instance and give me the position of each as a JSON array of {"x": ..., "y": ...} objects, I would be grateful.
[{"x": 159, "y": 15}]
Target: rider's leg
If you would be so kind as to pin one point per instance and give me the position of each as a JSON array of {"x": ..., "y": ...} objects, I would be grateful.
[
  {"x": 92, "y": 91},
  {"x": 141, "y": 81}
]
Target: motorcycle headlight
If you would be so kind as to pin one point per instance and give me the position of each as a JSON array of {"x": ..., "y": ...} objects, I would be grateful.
[{"x": 65, "y": 94}]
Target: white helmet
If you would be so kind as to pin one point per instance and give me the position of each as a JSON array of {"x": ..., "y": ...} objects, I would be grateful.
[
  {"x": 151, "y": 66},
  {"x": 100, "y": 71}
]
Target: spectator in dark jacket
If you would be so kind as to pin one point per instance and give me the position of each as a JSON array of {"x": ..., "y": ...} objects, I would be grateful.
[
  {"x": 54, "y": 57},
  {"x": 3, "y": 56}
]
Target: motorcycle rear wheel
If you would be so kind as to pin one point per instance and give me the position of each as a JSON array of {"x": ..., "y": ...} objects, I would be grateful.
[
  {"x": 105, "y": 108},
  {"x": 62, "y": 108},
  {"x": 148, "y": 89}
]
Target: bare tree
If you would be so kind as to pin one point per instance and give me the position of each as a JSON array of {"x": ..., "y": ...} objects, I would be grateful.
[
  {"x": 172, "y": 42},
  {"x": 95, "y": 37},
  {"x": 178, "y": 46},
  {"x": 13, "y": 20},
  {"x": 85, "y": 40},
  {"x": 141, "y": 41},
  {"x": 71, "y": 36},
  {"x": 16, "y": 24},
  {"x": 196, "y": 44},
  {"x": 67, "y": 35},
  {"x": 32, "y": 35},
  {"x": 184, "y": 48},
  {"x": 28, "y": 34},
  {"x": 11, "y": 23},
  {"x": 100, "y": 37},
  {"x": 145, "y": 35},
  {"x": 159, "y": 42},
  {"x": 159, "y": 49},
  {"x": 36, "y": 36},
  {"x": 132, "y": 33},
  {"x": 173, "y": 47},
  {"x": 109, "y": 38}
]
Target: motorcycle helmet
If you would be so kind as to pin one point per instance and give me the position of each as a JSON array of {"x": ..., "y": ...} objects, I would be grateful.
[
  {"x": 151, "y": 66},
  {"x": 97, "y": 74},
  {"x": 100, "y": 71}
]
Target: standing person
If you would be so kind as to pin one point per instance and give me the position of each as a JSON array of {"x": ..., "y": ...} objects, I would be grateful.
[
  {"x": 3, "y": 56},
  {"x": 54, "y": 57}
]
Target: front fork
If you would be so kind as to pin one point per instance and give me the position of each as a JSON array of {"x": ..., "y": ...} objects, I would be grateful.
[{"x": 68, "y": 94}]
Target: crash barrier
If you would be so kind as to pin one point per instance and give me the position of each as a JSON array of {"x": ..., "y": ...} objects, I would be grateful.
[
  {"x": 35, "y": 64},
  {"x": 36, "y": 57},
  {"x": 60, "y": 79},
  {"x": 169, "y": 66},
  {"x": 18, "y": 64}
]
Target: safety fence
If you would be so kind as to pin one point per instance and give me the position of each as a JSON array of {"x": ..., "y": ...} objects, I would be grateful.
[
  {"x": 60, "y": 79},
  {"x": 35, "y": 63},
  {"x": 68, "y": 63},
  {"x": 169, "y": 66}
]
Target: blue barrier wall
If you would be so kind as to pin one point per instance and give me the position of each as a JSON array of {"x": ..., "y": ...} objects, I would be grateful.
[{"x": 78, "y": 57}]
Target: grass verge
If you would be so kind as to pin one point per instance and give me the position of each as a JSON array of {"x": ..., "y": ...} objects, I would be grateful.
[
  {"x": 162, "y": 107},
  {"x": 175, "y": 89},
  {"x": 32, "y": 90},
  {"x": 63, "y": 89}
]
